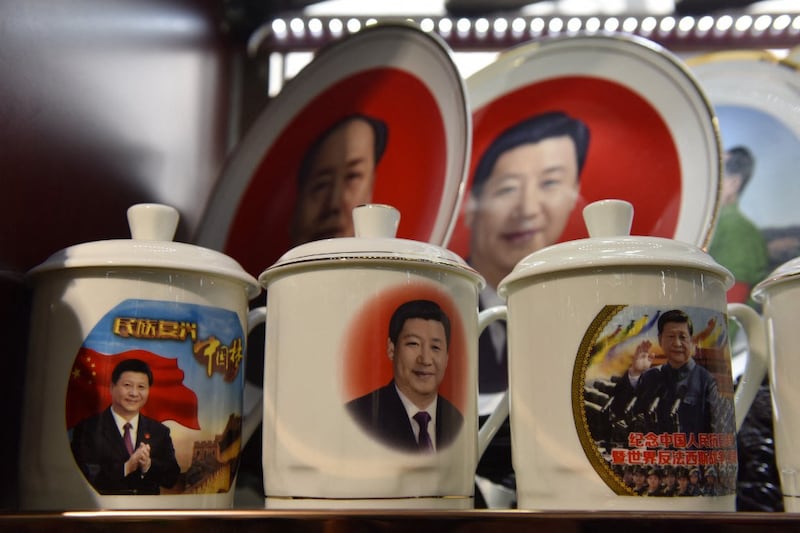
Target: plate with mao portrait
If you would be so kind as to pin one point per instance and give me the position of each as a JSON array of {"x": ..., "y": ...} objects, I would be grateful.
[
  {"x": 379, "y": 116},
  {"x": 755, "y": 97},
  {"x": 562, "y": 122}
]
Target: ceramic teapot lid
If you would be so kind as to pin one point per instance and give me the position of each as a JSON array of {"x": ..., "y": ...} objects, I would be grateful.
[
  {"x": 374, "y": 243},
  {"x": 152, "y": 230},
  {"x": 788, "y": 271},
  {"x": 610, "y": 245}
]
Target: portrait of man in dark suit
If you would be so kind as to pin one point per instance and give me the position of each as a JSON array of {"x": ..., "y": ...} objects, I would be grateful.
[
  {"x": 409, "y": 413},
  {"x": 337, "y": 173},
  {"x": 121, "y": 451},
  {"x": 679, "y": 396}
]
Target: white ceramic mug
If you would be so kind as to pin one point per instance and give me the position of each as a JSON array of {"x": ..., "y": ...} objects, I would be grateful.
[
  {"x": 174, "y": 310},
  {"x": 583, "y": 416},
  {"x": 361, "y": 333},
  {"x": 776, "y": 332}
]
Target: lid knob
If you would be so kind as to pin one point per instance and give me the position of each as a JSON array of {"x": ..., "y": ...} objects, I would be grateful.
[
  {"x": 608, "y": 218},
  {"x": 152, "y": 222},
  {"x": 376, "y": 221}
]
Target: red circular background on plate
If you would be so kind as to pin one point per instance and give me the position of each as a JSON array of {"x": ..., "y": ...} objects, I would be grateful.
[
  {"x": 366, "y": 363},
  {"x": 631, "y": 155},
  {"x": 410, "y": 176}
]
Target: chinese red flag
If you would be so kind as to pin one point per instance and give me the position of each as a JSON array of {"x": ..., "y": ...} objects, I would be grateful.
[{"x": 89, "y": 390}]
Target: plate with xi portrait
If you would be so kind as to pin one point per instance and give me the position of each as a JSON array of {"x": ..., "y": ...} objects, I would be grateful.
[
  {"x": 642, "y": 130},
  {"x": 379, "y": 116}
]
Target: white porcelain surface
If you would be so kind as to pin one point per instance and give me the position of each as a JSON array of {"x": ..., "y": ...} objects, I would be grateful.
[
  {"x": 79, "y": 296},
  {"x": 785, "y": 274},
  {"x": 557, "y": 300},
  {"x": 375, "y": 244},
  {"x": 152, "y": 227},
  {"x": 611, "y": 249},
  {"x": 554, "y": 473},
  {"x": 312, "y": 447},
  {"x": 779, "y": 295},
  {"x": 324, "y": 299},
  {"x": 608, "y": 218},
  {"x": 375, "y": 220},
  {"x": 153, "y": 222},
  {"x": 65, "y": 309}
]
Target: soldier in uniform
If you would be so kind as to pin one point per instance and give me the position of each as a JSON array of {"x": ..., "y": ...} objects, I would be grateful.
[
  {"x": 670, "y": 482},
  {"x": 654, "y": 487},
  {"x": 684, "y": 486},
  {"x": 639, "y": 481}
]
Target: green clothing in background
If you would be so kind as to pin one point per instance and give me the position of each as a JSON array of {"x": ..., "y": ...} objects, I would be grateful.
[{"x": 739, "y": 246}]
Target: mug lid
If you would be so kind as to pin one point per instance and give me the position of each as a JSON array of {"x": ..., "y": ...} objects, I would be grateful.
[
  {"x": 151, "y": 246},
  {"x": 788, "y": 271},
  {"x": 374, "y": 243},
  {"x": 611, "y": 245}
]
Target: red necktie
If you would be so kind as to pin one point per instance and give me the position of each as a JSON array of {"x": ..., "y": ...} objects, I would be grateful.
[
  {"x": 424, "y": 441},
  {"x": 127, "y": 438}
]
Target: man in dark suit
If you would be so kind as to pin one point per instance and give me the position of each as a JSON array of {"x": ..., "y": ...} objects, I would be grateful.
[
  {"x": 408, "y": 413},
  {"x": 679, "y": 396},
  {"x": 121, "y": 451}
]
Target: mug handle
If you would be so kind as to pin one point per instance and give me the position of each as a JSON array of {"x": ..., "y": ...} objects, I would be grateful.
[
  {"x": 756, "y": 365},
  {"x": 253, "y": 395},
  {"x": 489, "y": 428}
]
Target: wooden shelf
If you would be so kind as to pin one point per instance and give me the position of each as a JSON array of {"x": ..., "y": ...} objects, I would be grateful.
[{"x": 419, "y": 522}]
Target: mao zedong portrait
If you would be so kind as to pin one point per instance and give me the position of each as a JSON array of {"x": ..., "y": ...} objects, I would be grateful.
[
  {"x": 409, "y": 413},
  {"x": 337, "y": 173},
  {"x": 121, "y": 451}
]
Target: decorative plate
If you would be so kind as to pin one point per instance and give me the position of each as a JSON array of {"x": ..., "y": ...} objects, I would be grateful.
[
  {"x": 654, "y": 139},
  {"x": 395, "y": 73}
]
